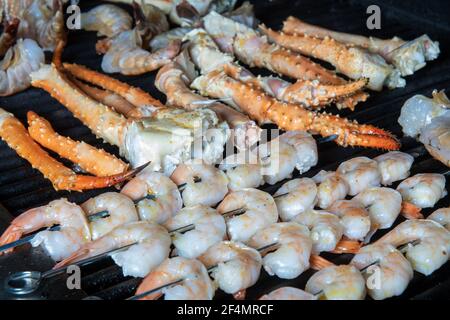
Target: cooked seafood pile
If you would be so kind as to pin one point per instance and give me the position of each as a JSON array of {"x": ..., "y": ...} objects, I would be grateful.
[{"x": 188, "y": 220}]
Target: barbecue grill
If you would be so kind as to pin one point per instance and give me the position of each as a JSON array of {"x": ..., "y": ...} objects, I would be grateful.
[{"x": 22, "y": 187}]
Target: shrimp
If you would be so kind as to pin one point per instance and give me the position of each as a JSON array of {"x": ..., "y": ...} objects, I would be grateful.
[
  {"x": 360, "y": 173},
  {"x": 19, "y": 62},
  {"x": 326, "y": 229},
  {"x": 242, "y": 176},
  {"x": 196, "y": 283},
  {"x": 343, "y": 282},
  {"x": 294, "y": 245},
  {"x": 441, "y": 216},
  {"x": 209, "y": 228},
  {"x": 288, "y": 293},
  {"x": 74, "y": 228},
  {"x": 150, "y": 245},
  {"x": 120, "y": 210},
  {"x": 259, "y": 208},
  {"x": 394, "y": 270},
  {"x": 107, "y": 19},
  {"x": 354, "y": 217},
  {"x": 331, "y": 188},
  {"x": 432, "y": 248},
  {"x": 236, "y": 266},
  {"x": 383, "y": 204},
  {"x": 436, "y": 139},
  {"x": 295, "y": 197},
  {"x": 394, "y": 166},
  {"x": 159, "y": 198},
  {"x": 423, "y": 190},
  {"x": 209, "y": 190}
]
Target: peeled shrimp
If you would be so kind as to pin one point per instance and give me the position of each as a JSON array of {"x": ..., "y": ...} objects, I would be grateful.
[
  {"x": 441, "y": 216},
  {"x": 209, "y": 228},
  {"x": 120, "y": 209},
  {"x": 383, "y": 205},
  {"x": 423, "y": 190},
  {"x": 209, "y": 190},
  {"x": 436, "y": 139},
  {"x": 159, "y": 196},
  {"x": 331, "y": 188},
  {"x": 237, "y": 266},
  {"x": 343, "y": 282},
  {"x": 393, "y": 270},
  {"x": 107, "y": 19},
  {"x": 260, "y": 211},
  {"x": 293, "y": 249},
  {"x": 394, "y": 166},
  {"x": 296, "y": 197},
  {"x": 73, "y": 234},
  {"x": 360, "y": 173},
  {"x": 241, "y": 176},
  {"x": 151, "y": 248},
  {"x": 326, "y": 229},
  {"x": 354, "y": 217},
  {"x": 432, "y": 249},
  {"x": 196, "y": 284},
  {"x": 288, "y": 293}
]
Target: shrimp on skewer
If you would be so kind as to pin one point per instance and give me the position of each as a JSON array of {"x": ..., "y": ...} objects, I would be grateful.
[
  {"x": 394, "y": 270},
  {"x": 241, "y": 176},
  {"x": 354, "y": 218},
  {"x": 354, "y": 62},
  {"x": 441, "y": 216},
  {"x": 120, "y": 211},
  {"x": 209, "y": 228},
  {"x": 295, "y": 197},
  {"x": 209, "y": 190},
  {"x": 288, "y": 293},
  {"x": 107, "y": 20},
  {"x": 95, "y": 161},
  {"x": 394, "y": 166},
  {"x": 343, "y": 282},
  {"x": 428, "y": 243},
  {"x": 158, "y": 198},
  {"x": 150, "y": 245},
  {"x": 294, "y": 245},
  {"x": 236, "y": 266},
  {"x": 16, "y": 136},
  {"x": 360, "y": 173},
  {"x": 407, "y": 56},
  {"x": 330, "y": 188},
  {"x": 257, "y": 210},
  {"x": 423, "y": 190},
  {"x": 74, "y": 228},
  {"x": 193, "y": 281}
]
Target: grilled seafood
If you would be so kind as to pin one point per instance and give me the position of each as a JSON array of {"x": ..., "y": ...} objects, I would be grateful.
[
  {"x": 360, "y": 173},
  {"x": 441, "y": 216},
  {"x": 107, "y": 20},
  {"x": 150, "y": 245},
  {"x": 423, "y": 190},
  {"x": 165, "y": 139},
  {"x": 295, "y": 197},
  {"x": 209, "y": 190},
  {"x": 209, "y": 228},
  {"x": 237, "y": 267},
  {"x": 407, "y": 56},
  {"x": 428, "y": 243},
  {"x": 90, "y": 159},
  {"x": 16, "y": 136},
  {"x": 354, "y": 218},
  {"x": 354, "y": 62},
  {"x": 330, "y": 188},
  {"x": 242, "y": 176},
  {"x": 162, "y": 40},
  {"x": 288, "y": 293},
  {"x": 158, "y": 198},
  {"x": 19, "y": 61},
  {"x": 195, "y": 281},
  {"x": 436, "y": 139},
  {"x": 343, "y": 282},
  {"x": 394, "y": 166},
  {"x": 257, "y": 210},
  {"x": 395, "y": 271},
  {"x": 74, "y": 232},
  {"x": 293, "y": 249},
  {"x": 120, "y": 210},
  {"x": 254, "y": 50}
]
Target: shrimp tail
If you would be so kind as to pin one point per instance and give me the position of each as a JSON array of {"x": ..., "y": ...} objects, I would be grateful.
[
  {"x": 76, "y": 256},
  {"x": 11, "y": 234},
  {"x": 316, "y": 262},
  {"x": 240, "y": 295},
  {"x": 347, "y": 246},
  {"x": 410, "y": 211},
  {"x": 9, "y": 35}
]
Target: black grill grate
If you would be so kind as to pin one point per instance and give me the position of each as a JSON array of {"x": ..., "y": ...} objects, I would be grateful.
[{"x": 21, "y": 187}]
